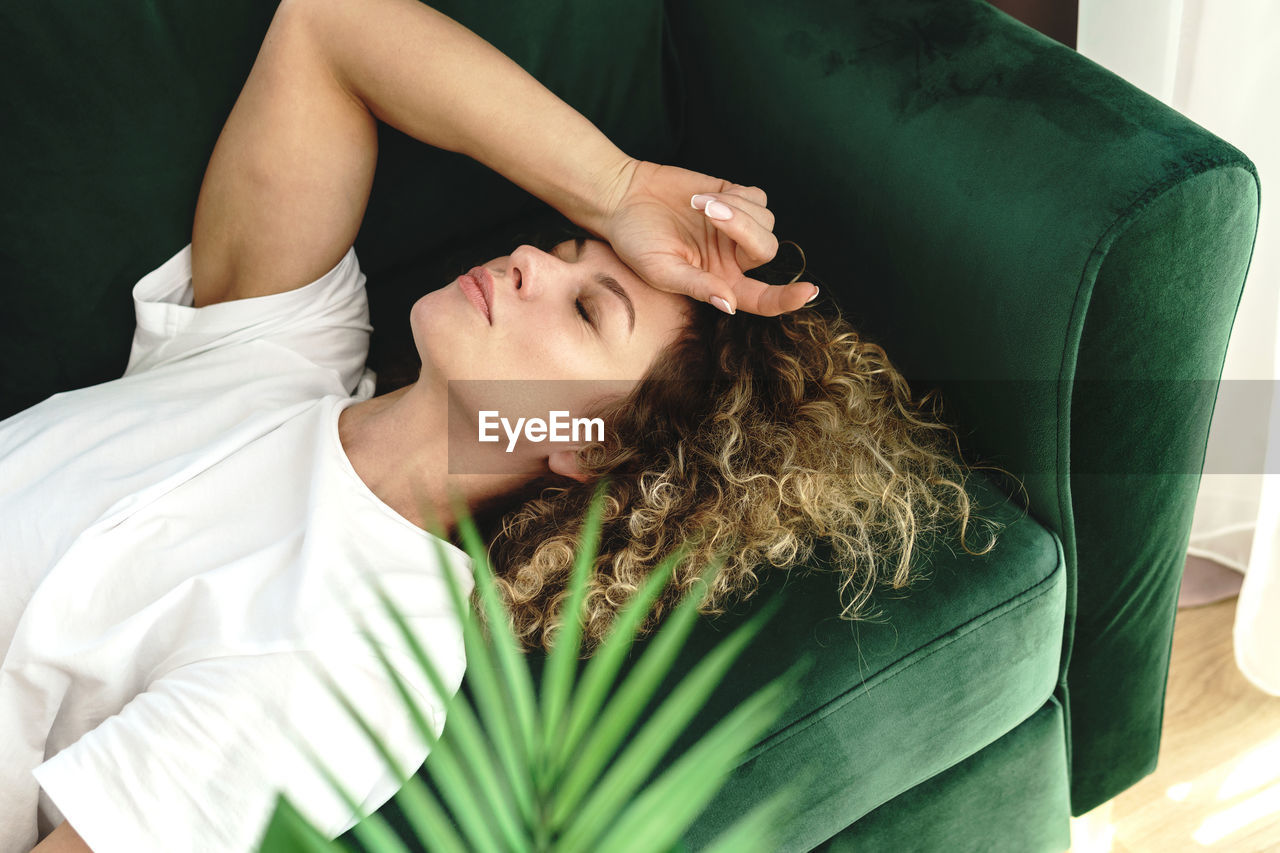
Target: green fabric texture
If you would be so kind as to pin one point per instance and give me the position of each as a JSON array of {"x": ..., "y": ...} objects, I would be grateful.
[
  {"x": 112, "y": 111},
  {"x": 114, "y": 107},
  {"x": 1009, "y": 798},
  {"x": 954, "y": 664},
  {"x": 1148, "y": 424},
  {"x": 1001, "y": 213},
  {"x": 946, "y": 668}
]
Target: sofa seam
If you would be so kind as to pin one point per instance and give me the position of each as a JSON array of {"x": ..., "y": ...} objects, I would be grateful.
[
  {"x": 1023, "y": 599},
  {"x": 920, "y": 780}
]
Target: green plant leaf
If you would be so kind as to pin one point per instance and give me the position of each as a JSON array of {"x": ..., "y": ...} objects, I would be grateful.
[
  {"x": 505, "y": 696},
  {"x": 372, "y": 830},
  {"x": 561, "y": 670},
  {"x": 662, "y": 812},
  {"x": 417, "y": 803},
  {"x": 360, "y": 721},
  {"x": 660, "y": 815},
  {"x": 601, "y": 672},
  {"x": 475, "y": 813},
  {"x": 495, "y": 780},
  {"x": 290, "y": 832},
  {"x": 623, "y": 710},
  {"x": 645, "y": 750}
]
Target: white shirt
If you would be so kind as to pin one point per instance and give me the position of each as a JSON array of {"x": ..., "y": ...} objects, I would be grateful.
[{"x": 177, "y": 548}]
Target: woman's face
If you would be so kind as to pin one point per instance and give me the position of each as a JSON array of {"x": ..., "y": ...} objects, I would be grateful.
[{"x": 576, "y": 313}]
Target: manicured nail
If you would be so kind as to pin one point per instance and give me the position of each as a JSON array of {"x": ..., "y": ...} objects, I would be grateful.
[
  {"x": 699, "y": 201},
  {"x": 718, "y": 210},
  {"x": 815, "y": 295},
  {"x": 721, "y": 304}
]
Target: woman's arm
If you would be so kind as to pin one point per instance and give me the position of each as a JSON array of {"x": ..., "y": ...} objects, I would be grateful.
[
  {"x": 432, "y": 78},
  {"x": 64, "y": 839},
  {"x": 289, "y": 179}
]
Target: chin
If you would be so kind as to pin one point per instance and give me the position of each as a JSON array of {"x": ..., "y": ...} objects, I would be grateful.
[
  {"x": 433, "y": 328},
  {"x": 450, "y": 339}
]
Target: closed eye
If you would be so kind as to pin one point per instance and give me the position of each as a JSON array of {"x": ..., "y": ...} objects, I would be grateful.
[{"x": 583, "y": 312}]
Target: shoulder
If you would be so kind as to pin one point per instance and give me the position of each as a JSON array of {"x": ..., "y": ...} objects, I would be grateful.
[{"x": 326, "y": 321}]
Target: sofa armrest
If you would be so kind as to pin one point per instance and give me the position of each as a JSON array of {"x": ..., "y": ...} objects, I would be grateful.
[{"x": 1060, "y": 253}]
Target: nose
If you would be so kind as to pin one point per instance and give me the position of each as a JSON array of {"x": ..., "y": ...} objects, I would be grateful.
[{"x": 531, "y": 270}]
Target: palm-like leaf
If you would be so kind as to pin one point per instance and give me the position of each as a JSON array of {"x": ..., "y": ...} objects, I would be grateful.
[{"x": 520, "y": 775}]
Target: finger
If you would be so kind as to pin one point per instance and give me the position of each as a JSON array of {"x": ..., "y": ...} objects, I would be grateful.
[
  {"x": 756, "y": 245},
  {"x": 753, "y": 194},
  {"x": 747, "y": 294},
  {"x": 758, "y": 212},
  {"x": 770, "y": 300}
]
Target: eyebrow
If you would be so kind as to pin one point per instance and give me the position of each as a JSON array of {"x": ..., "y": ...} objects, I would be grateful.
[{"x": 611, "y": 284}]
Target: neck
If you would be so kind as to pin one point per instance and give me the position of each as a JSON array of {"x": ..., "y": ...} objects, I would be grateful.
[{"x": 398, "y": 444}]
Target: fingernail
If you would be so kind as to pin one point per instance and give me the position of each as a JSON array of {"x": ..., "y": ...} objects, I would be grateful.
[
  {"x": 718, "y": 210},
  {"x": 699, "y": 201},
  {"x": 721, "y": 304},
  {"x": 815, "y": 295}
]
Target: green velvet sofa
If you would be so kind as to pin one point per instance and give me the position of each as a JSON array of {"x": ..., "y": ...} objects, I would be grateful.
[{"x": 1061, "y": 255}]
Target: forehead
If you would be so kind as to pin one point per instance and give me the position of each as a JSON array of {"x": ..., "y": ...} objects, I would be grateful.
[{"x": 600, "y": 255}]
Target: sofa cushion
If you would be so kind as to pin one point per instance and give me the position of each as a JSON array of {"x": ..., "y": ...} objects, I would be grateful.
[
  {"x": 950, "y": 666},
  {"x": 1010, "y": 797}
]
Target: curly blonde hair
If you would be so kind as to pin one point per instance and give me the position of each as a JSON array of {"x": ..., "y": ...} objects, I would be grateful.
[{"x": 753, "y": 439}]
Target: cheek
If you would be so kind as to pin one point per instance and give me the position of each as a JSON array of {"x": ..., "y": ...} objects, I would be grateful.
[
  {"x": 588, "y": 398},
  {"x": 547, "y": 346}
]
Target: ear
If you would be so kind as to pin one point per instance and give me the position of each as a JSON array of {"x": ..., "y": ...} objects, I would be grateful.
[{"x": 565, "y": 463}]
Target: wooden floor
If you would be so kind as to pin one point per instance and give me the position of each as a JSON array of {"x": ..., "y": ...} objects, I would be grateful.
[{"x": 1217, "y": 784}]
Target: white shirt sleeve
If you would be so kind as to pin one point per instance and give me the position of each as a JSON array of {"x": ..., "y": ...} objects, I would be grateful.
[
  {"x": 326, "y": 321},
  {"x": 195, "y": 762}
]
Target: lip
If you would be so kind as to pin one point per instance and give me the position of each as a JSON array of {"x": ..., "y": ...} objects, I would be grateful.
[{"x": 477, "y": 285}]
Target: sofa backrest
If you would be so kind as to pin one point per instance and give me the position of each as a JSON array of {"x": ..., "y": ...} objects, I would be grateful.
[{"x": 112, "y": 109}]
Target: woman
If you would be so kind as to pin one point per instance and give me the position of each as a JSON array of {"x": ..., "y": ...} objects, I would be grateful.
[
  {"x": 751, "y": 439},
  {"x": 184, "y": 541}
]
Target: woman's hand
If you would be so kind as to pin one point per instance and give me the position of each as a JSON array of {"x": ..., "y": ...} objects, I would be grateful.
[{"x": 685, "y": 232}]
